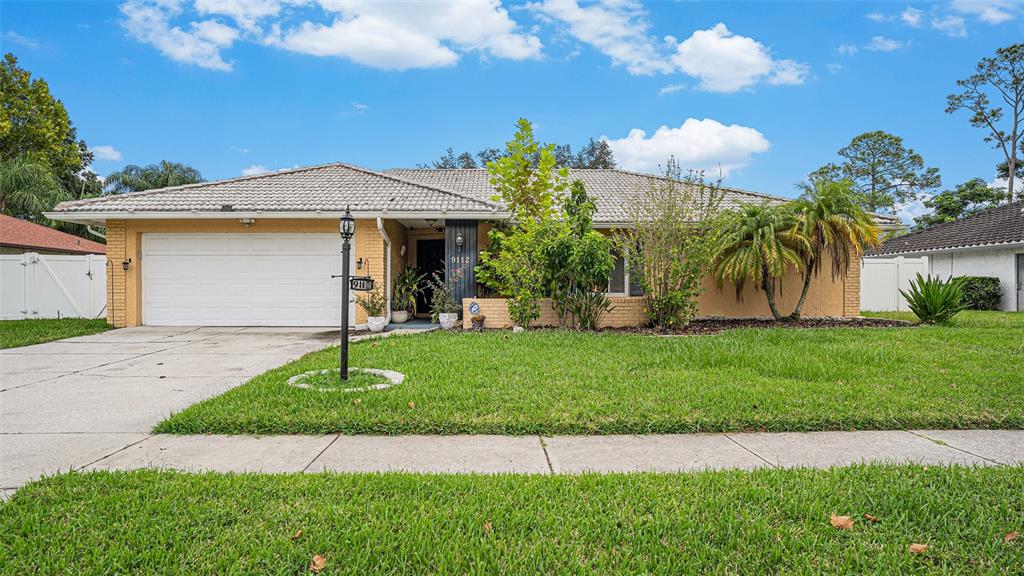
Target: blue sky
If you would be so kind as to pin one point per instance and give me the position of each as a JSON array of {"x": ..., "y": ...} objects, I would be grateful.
[{"x": 765, "y": 90}]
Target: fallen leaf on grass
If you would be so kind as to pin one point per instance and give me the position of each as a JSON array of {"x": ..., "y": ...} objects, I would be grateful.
[
  {"x": 357, "y": 401},
  {"x": 871, "y": 518},
  {"x": 1011, "y": 536},
  {"x": 488, "y": 528},
  {"x": 297, "y": 535},
  {"x": 841, "y": 522},
  {"x": 918, "y": 548},
  {"x": 412, "y": 405},
  {"x": 317, "y": 563}
]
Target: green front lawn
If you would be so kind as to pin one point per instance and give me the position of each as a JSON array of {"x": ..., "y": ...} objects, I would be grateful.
[
  {"x": 969, "y": 375},
  {"x": 14, "y": 333},
  {"x": 761, "y": 522}
]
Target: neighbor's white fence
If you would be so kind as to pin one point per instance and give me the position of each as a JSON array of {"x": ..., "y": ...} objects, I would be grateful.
[
  {"x": 881, "y": 280},
  {"x": 52, "y": 286}
]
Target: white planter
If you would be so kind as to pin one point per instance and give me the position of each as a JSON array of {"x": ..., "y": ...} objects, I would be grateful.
[
  {"x": 399, "y": 316},
  {"x": 376, "y": 323},
  {"x": 518, "y": 329},
  {"x": 448, "y": 319}
]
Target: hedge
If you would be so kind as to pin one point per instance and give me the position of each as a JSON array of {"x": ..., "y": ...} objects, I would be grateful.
[{"x": 981, "y": 292}]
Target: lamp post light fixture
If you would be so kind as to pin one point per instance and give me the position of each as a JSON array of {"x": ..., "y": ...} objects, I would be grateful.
[{"x": 347, "y": 227}]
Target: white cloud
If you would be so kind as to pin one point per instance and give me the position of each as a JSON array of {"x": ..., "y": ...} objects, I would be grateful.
[
  {"x": 726, "y": 62},
  {"x": 148, "y": 21},
  {"x": 834, "y": 68},
  {"x": 400, "y": 36},
  {"x": 847, "y": 49},
  {"x": 617, "y": 28},
  {"x": 910, "y": 210},
  {"x": 240, "y": 150},
  {"x": 879, "y": 17},
  {"x": 388, "y": 35},
  {"x": 912, "y": 17},
  {"x": 950, "y": 25},
  {"x": 670, "y": 89},
  {"x": 105, "y": 152},
  {"x": 988, "y": 11},
  {"x": 701, "y": 144},
  {"x": 883, "y": 44},
  {"x": 354, "y": 109},
  {"x": 255, "y": 170},
  {"x": 14, "y": 38}
]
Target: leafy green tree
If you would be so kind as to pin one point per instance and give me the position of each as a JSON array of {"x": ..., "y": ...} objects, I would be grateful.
[
  {"x": 999, "y": 77},
  {"x": 514, "y": 263},
  {"x": 760, "y": 243},
  {"x": 882, "y": 170},
  {"x": 36, "y": 136},
  {"x": 134, "y": 178},
  {"x": 28, "y": 188},
  {"x": 1003, "y": 170},
  {"x": 830, "y": 223},
  {"x": 966, "y": 199},
  {"x": 578, "y": 263},
  {"x": 595, "y": 154},
  {"x": 674, "y": 224}
]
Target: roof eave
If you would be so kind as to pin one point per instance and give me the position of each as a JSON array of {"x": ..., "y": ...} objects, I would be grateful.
[
  {"x": 925, "y": 251},
  {"x": 98, "y": 217}
]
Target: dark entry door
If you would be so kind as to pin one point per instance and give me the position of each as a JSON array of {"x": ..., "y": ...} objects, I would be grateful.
[{"x": 429, "y": 259}]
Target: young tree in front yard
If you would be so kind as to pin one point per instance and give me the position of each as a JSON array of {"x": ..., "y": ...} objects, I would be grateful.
[
  {"x": 760, "y": 243},
  {"x": 514, "y": 263},
  {"x": 579, "y": 261},
  {"x": 670, "y": 242},
  {"x": 1002, "y": 77},
  {"x": 831, "y": 224}
]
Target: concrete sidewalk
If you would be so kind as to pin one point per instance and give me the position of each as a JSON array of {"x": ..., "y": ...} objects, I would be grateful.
[{"x": 564, "y": 454}]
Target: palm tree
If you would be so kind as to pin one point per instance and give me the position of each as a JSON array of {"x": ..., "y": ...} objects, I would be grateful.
[
  {"x": 760, "y": 243},
  {"x": 134, "y": 178},
  {"x": 831, "y": 223},
  {"x": 28, "y": 188}
]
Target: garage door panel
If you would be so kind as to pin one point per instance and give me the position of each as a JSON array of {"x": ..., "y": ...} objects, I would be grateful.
[{"x": 242, "y": 279}]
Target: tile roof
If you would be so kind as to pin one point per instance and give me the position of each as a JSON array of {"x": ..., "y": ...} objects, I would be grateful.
[
  {"x": 333, "y": 187},
  {"x": 328, "y": 188},
  {"x": 995, "y": 226},
  {"x": 21, "y": 234},
  {"x": 611, "y": 188}
]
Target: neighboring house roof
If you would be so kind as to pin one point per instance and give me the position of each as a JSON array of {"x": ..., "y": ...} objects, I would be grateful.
[
  {"x": 18, "y": 233},
  {"x": 994, "y": 227},
  {"x": 331, "y": 188},
  {"x": 611, "y": 188},
  {"x": 326, "y": 188}
]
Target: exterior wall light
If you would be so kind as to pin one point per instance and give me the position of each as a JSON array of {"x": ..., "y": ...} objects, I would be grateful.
[
  {"x": 247, "y": 221},
  {"x": 459, "y": 240}
]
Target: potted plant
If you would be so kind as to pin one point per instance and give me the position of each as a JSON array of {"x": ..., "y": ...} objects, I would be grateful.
[
  {"x": 375, "y": 304},
  {"x": 408, "y": 285},
  {"x": 443, "y": 307},
  {"x": 478, "y": 322}
]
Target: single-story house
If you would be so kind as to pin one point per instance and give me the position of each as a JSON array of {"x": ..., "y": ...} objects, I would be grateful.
[
  {"x": 262, "y": 250},
  {"x": 990, "y": 243},
  {"x": 18, "y": 236}
]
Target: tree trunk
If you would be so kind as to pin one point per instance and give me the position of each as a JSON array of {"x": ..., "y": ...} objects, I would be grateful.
[
  {"x": 803, "y": 295},
  {"x": 769, "y": 290}
]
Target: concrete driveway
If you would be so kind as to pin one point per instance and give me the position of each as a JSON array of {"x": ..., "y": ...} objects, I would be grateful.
[{"x": 69, "y": 403}]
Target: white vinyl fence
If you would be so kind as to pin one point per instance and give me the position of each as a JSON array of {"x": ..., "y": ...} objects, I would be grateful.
[
  {"x": 52, "y": 286},
  {"x": 881, "y": 280}
]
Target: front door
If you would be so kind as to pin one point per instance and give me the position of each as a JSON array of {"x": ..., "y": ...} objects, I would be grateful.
[
  {"x": 1020, "y": 282},
  {"x": 429, "y": 259}
]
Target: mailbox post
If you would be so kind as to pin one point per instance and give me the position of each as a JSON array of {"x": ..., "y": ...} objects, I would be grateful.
[{"x": 347, "y": 227}]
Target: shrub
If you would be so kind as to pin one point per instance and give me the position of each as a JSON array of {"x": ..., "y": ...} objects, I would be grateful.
[
  {"x": 442, "y": 300},
  {"x": 981, "y": 292},
  {"x": 670, "y": 242},
  {"x": 373, "y": 302},
  {"x": 588, "y": 308},
  {"x": 934, "y": 301},
  {"x": 408, "y": 284}
]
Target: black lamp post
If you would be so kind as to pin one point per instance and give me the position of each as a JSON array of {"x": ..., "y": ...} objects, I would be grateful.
[{"x": 347, "y": 227}]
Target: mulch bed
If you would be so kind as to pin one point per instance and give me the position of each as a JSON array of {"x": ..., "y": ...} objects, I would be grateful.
[{"x": 717, "y": 325}]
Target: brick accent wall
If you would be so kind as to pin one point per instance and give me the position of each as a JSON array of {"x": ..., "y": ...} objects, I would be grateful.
[
  {"x": 626, "y": 311},
  {"x": 851, "y": 290},
  {"x": 117, "y": 252}
]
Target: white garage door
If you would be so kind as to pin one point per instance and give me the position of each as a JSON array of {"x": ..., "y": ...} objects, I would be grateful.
[{"x": 241, "y": 280}]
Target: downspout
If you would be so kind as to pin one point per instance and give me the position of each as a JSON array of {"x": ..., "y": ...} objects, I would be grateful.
[
  {"x": 95, "y": 233},
  {"x": 387, "y": 259}
]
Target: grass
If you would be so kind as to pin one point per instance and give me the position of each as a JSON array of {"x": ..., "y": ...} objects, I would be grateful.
[
  {"x": 968, "y": 375},
  {"x": 14, "y": 333},
  {"x": 728, "y": 522}
]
